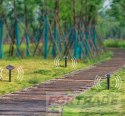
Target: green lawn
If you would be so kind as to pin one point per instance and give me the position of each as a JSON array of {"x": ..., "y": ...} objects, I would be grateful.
[
  {"x": 100, "y": 102},
  {"x": 37, "y": 70}
]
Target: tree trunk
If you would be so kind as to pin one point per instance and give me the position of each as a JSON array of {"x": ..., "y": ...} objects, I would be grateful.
[{"x": 26, "y": 29}]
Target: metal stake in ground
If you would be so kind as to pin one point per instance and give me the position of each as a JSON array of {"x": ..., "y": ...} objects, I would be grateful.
[
  {"x": 108, "y": 76},
  {"x": 66, "y": 59},
  {"x": 10, "y": 68}
]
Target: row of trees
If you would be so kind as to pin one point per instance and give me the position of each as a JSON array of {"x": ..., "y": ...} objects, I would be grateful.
[
  {"x": 49, "y": 20},
  {"x": 115, "y": 20}
]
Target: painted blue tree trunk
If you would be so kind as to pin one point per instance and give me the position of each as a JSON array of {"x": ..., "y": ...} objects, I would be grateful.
[
  {"x": 60, "y": 41},
  {"x": 80, "y": 50},
  {"x": 54, "y": 50},
  {"x": 87, "y": 44},
  {"x": 1, "y": 39},
  {"x": 46, "y": 38},
  {"x": 27, "y": 45},
  {"x": 65, "y": 34},
  {"x": 76, "y": 48},
  {"x": 81, "y": 45},
  {"x": 17, "y": 39},
  {"x": 94, "y": 37}
]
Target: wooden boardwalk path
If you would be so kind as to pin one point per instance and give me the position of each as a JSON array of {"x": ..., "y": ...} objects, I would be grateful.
[{"x": 32, "y": 101}]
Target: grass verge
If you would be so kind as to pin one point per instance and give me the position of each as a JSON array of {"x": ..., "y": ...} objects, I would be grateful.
[
  {"x": 116, "y": 43},
  {"x": 100, "y": 102},
  {"x": 38, "y": 70}
]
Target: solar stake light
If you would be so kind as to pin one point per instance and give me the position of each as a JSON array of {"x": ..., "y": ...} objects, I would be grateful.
[
  {"x": 10, "y": 68},
  {"x": 108, "y": 76},
  {"x": 66, "y": 59}
]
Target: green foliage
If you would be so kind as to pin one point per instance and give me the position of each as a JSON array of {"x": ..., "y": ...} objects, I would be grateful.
[
  {"x": 117, "y": 11},
  {"x": 116, "y": 43},
  {"x": 35, "y": 7},
  {"x": 106, "y": 56},
  {"x": 33, "y": 81}
]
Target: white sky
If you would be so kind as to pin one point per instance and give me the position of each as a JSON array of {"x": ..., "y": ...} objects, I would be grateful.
[{"x": 107, "y": 4}]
